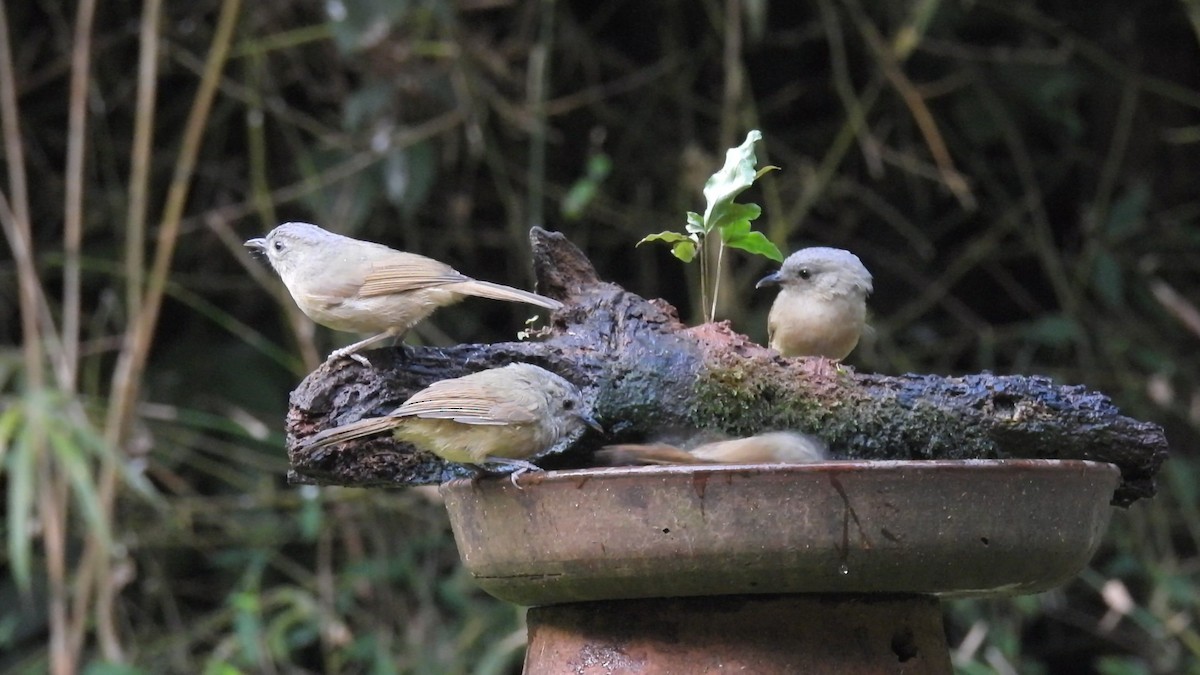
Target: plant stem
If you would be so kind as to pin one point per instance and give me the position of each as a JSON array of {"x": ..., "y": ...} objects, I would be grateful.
[
  {"x": 51, "y": 498},
  {"x": 20, "y": 237},
  {"x": 139, "y": 171},
  {"x": 712, "y": 314},
  {"x": 538, "y": 77},
  {"x": 81, "y": 53},
  {"x": 702, "y": 253}
]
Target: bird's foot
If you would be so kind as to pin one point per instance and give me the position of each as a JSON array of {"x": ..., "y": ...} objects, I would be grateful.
[
  {"x": 825, "y": 367},
  {"x": 351, "y": 350},
  {"x": 404, "y": 354},
  {"x": 349, "y": 353},
  {"x": 522, "y": 467}
]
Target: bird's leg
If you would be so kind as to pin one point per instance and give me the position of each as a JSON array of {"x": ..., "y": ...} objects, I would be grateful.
[
  {"x": 351, "y": 349},
  {"x": 827, "y": 366},
  {"x": 521, "y": 465}
]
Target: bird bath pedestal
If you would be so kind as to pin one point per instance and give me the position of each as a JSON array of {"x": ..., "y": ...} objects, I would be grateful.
[{"x": 835, "y": 567}]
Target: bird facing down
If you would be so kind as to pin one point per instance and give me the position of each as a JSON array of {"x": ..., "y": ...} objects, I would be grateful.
[
  {"x": 821, "y": 309},
  {"x": 776, "y": 447},
  {"x": 503, "y": 415},
  {"x": 362, "y": 287}
]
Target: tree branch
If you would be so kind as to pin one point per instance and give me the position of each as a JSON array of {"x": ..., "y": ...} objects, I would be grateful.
[{"x": 645, "y": 374}]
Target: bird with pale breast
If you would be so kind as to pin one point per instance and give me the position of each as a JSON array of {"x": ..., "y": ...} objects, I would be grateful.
[
  {"x": 821, "y": 309},
  {"x": 501, "y": 415},
  {"x": 362, "y": 287},
  {"x": 776, "y": 447}
]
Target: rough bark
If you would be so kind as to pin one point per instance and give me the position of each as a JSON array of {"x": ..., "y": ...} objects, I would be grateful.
[{"x": 645, "y": 373}]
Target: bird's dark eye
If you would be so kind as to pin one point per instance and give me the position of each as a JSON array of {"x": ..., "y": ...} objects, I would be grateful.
[
  {"x": 278, "y": 245},
  {"x": 804, "y": 273},
  {"x": 568, "y": 404}
]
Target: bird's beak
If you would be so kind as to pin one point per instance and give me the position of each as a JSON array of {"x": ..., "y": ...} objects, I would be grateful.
[
  {"x": 771, "y": 279},
  {"x": 258, "y": 245},
  {"x": 586, "y": 419}
]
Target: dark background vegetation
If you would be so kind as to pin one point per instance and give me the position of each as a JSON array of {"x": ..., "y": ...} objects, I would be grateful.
[{"x": 1020, "y": 177}]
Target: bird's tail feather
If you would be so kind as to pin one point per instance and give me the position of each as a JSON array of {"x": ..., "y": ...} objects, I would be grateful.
[
  {"x": 349, "y": 432},
  {"x": 486, "y": 289},
  {"x": 626, "y": 454}
]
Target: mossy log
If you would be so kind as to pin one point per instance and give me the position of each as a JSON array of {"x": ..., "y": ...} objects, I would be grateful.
[{"x": 644, "y": 372}]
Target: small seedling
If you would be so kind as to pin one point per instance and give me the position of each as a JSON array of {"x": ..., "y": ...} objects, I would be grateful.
[{"x": 729, "y": 219}]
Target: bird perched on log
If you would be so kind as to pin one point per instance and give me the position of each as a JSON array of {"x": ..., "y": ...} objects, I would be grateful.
[
  {"x": 363, "y": 287},
  {"x": 821, "y": 309},
  {"x": 501, "y": 415},
  {"x": 777, "y": 447}
]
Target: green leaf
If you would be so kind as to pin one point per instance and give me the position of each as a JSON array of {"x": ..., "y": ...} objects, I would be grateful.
[
  {"x": 683, "y": 245},
  {"x": 684, "y": 250},
  {"x": 584, "y": 191},
  {"x": 735, "y": 229},
  {"x": 10, "y": 421},
  {"x": 695, "y": 223},
  {"x": 1055, "y": 330},
  {"x": 22, "y": 477},
  {"x": 72, "y": 459},
  {"x": 247, "y": 621},
  {"x": 732, "y": 212},
  {"x": 575, "y": 202},
  {"x": 755, "y": 242},
  {"x": 733, "y": 178},
  {"x": 667, "y": 236}
]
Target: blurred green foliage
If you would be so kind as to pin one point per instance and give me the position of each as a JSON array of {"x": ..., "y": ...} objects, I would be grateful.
[{"x": 1020, "y": 177}]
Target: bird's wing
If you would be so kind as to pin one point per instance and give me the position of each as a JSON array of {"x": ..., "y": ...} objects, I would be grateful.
[
  {"x": 467, "y": 405},
  {"x": 398, "y": 272},
  {"x": 328, "y": 294}
]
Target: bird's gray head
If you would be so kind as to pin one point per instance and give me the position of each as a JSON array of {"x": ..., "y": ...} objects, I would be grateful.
[
  {"x": 285, "y": 245},
  {"x": 563, "y": 399},
  {"x": 829, "y": 270}
]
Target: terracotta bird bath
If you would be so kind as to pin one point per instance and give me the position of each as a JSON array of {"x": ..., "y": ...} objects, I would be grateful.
[{"x": 830, "y": 567}]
